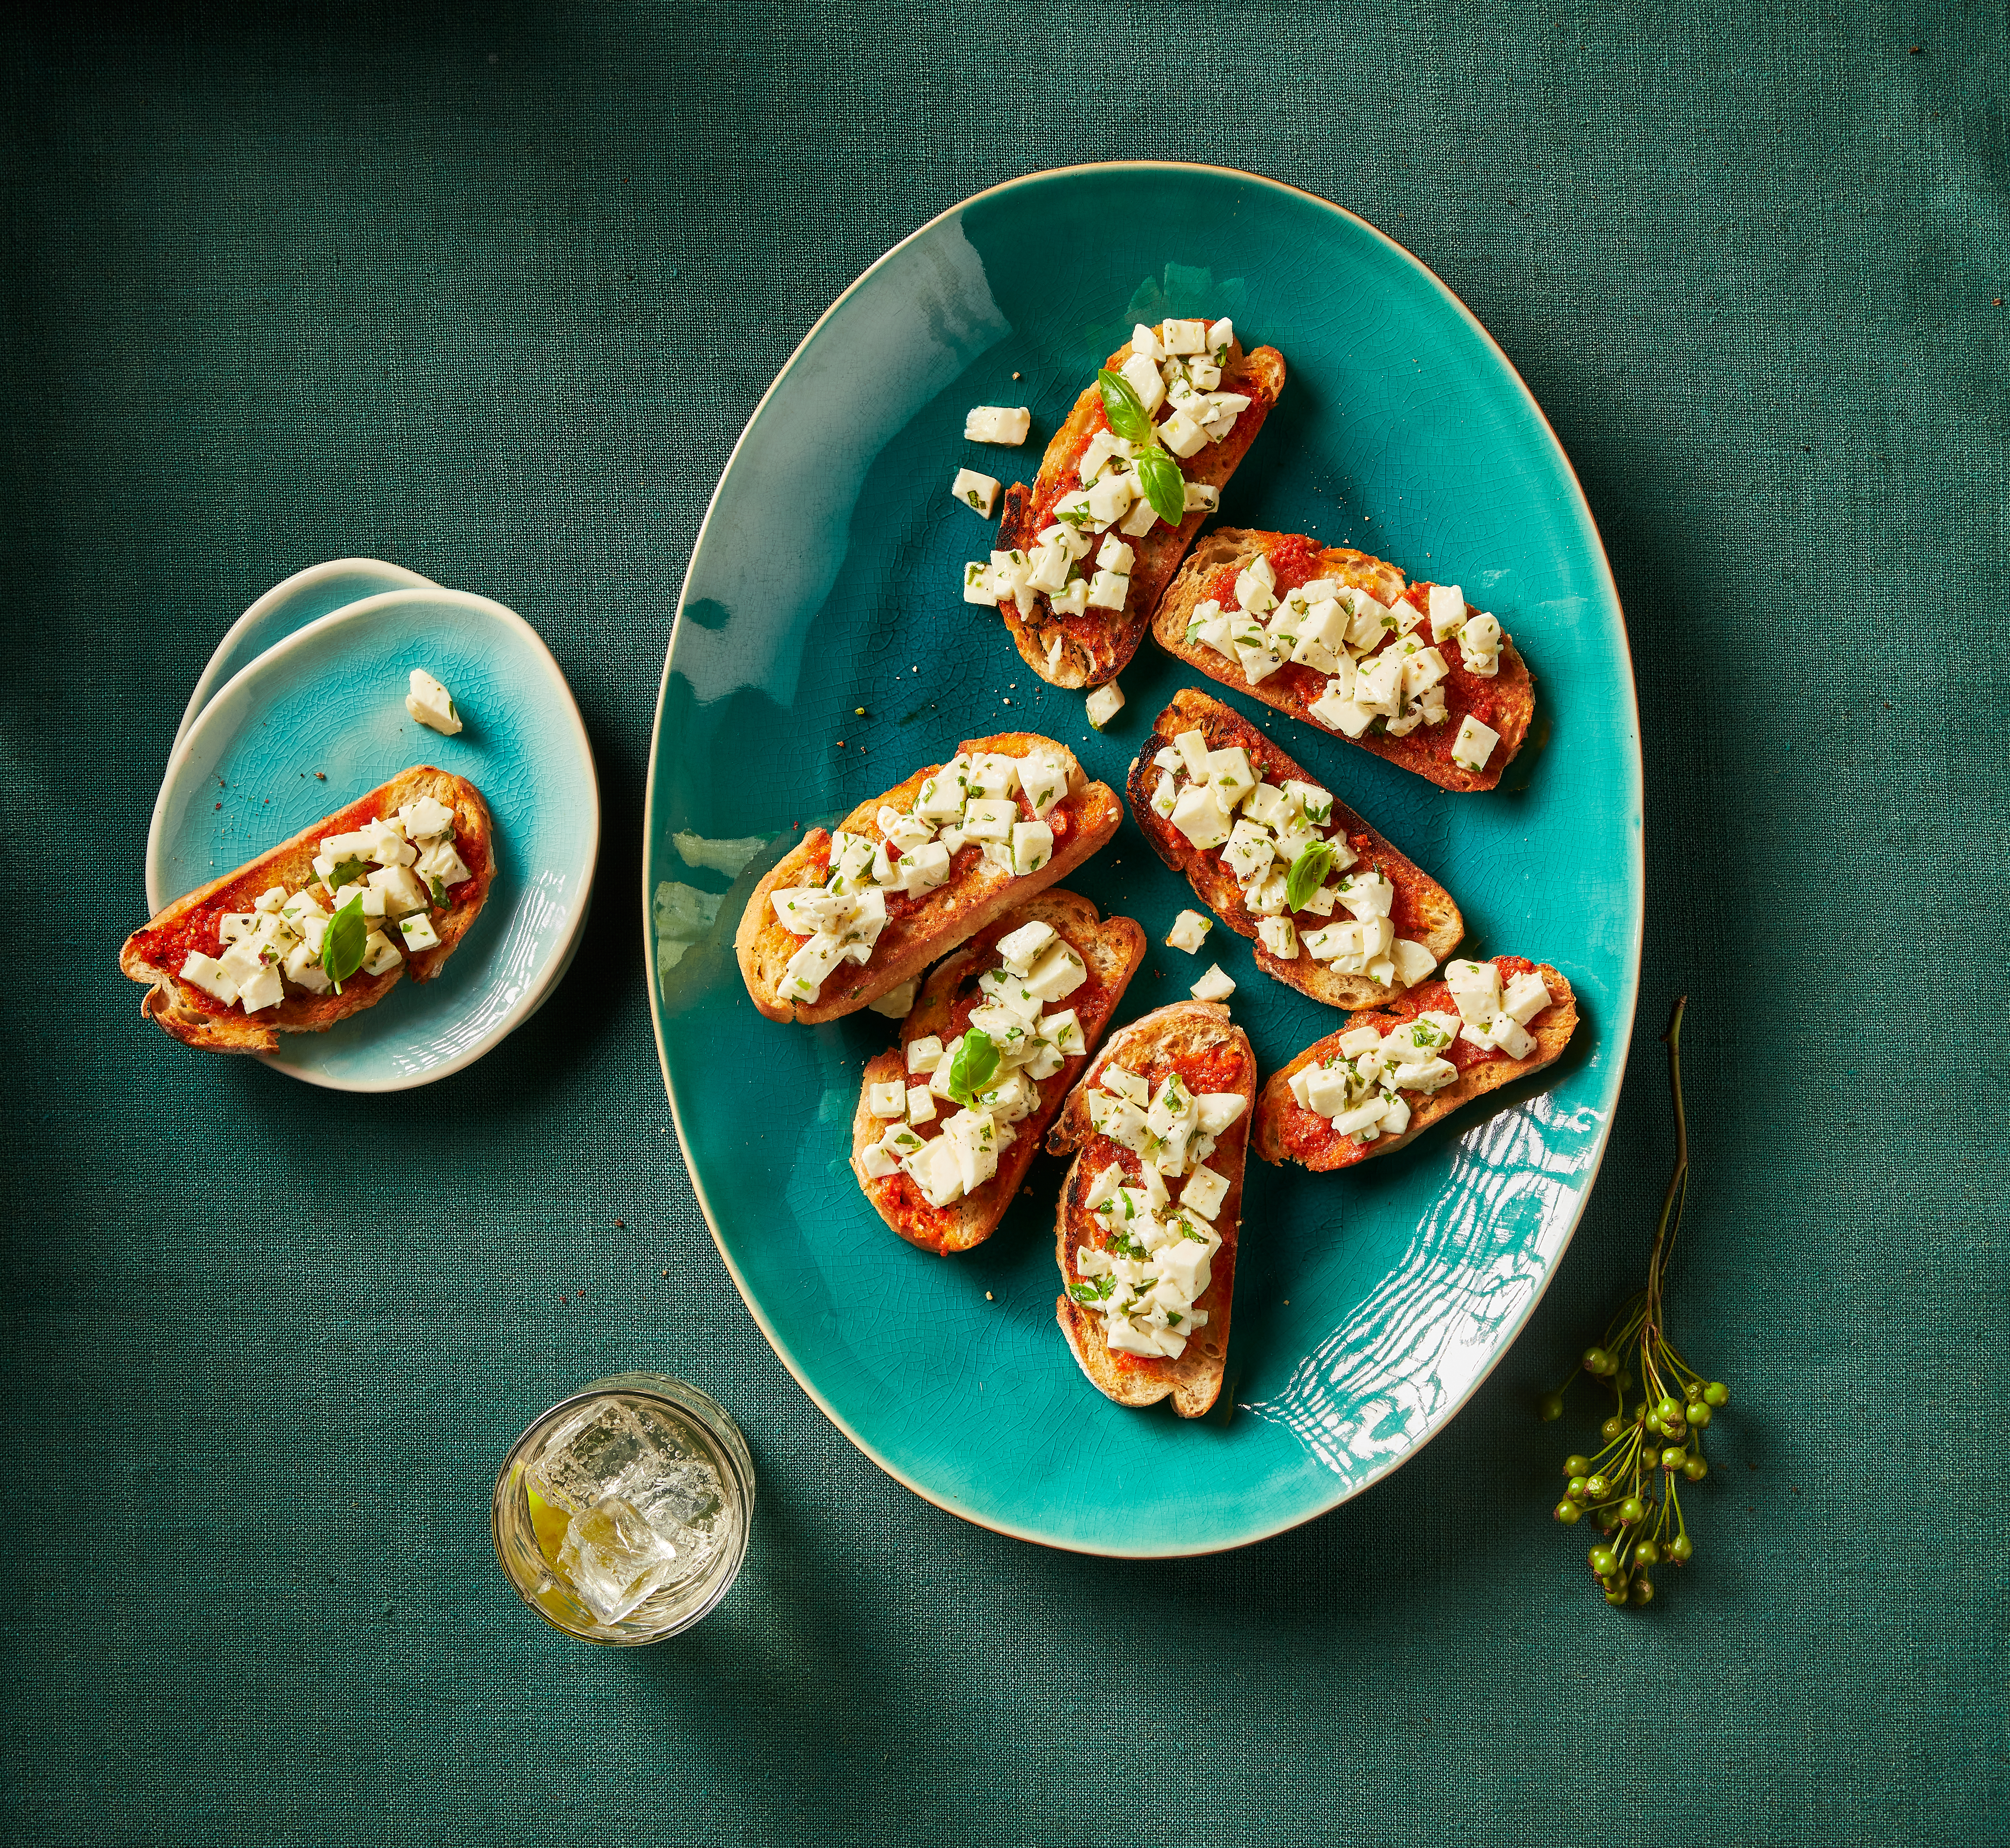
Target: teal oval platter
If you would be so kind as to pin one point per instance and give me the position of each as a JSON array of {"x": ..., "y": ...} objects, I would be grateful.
[
  {"x": 319, "y": 590},
  {"x": 328, "y": 698},
  {"x": 827, "y": 578}
]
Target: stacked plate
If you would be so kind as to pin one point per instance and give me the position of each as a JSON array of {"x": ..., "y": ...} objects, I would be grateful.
[{"x": 301, "y": 710}]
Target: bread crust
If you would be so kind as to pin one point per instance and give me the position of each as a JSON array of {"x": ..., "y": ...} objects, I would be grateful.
[
  {"x": 1427, "y": 750},
  {"x": 1111, "y": 948},
  {"x": 977, "y": 893},
  {"x": 152, "y": 955},
  {"x": 1279, "y": 1114},
  {"x": 1435, "y": 919},
  {"x": 1096, "y": 648},
  {"x": 1150, "y": 1046}
]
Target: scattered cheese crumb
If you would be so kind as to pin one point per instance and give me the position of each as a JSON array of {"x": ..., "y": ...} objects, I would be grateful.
[
  {"x": 997, "y": 423},
  {"x": 431, "y": 704},
  {"x": 974, "y": 489},
  {"x": 1104, "y": 703},
  {"x": 1189, "y": 932},
  {"x": 1213, "y": 986}
]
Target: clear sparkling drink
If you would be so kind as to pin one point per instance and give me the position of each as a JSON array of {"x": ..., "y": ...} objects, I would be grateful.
[{"x": 621, "y": 1516}]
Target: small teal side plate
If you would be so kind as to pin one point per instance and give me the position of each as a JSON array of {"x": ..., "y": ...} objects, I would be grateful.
[
  {"x": 330, "y": 698},
  {"x": 319, "y": 590},
  {"x": 1369, "y": 1305}
]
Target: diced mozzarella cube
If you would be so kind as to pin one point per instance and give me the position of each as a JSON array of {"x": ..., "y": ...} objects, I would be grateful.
[
  {"x": 1366, "y": 1115},
  {"x": 897, "y": 1002},
  {"x": 1511, "y": 1036},
  {"x": 207, "y": 974},
  {"x": 1109, "y": 500},
  {"x": 1107, "y": 1186},
  {"x": 1256, "y": 588},
  {"x": 1230, "y": 772},
  {"x": 388, "y": 847},
  {"x": 1204, "y": 372},
  {"x": 1377, "y": 687},
  {"x": 1333, "y": 941},
  {"x": 1447, "y": 610},
  {"x": 1340, "y": 714},
  {"x": 272, "y": 898},
  {"x": 1144, "y": 342},
  {"x": 1043, "y": 774},
  {"x": 1205, "y": 1192},
  {"x": 1018, "y": 949},
  {"x": 1121, "y": 1081},
  {"x": 1269, "y": 896},
  {"x": 441, "y": 861},
  {"x": 1182, "y": 435},
  {"x": 811, "y": 966},
  {"x": 1048, "y": 569},
  {"x": 1199, "y": 815},
  {"x": 1249, "y": 851},
  {"x": 1377, "y": 934},
  {"x": 977, "y": 585},
  {"x": 1064, "y": 1032},
  {"x": 372, "y": 897},
  {"x": 1254, "y": 655},
  {"x": 1313, "y": 804},
  {"x": 993, "y": 773},
  {"x": 1216, "y": 985},
  {"x": 1106, "y": 701},
  {"x": 1413, "y": 961},
  {"x": 1324, "y": 1091},
  {"x": 301, "y": 906},
  {"x": 887, "y": 1100},
  {"x": 1474, "y": 745},
  {"x": 401, "y": 891},
  {"x": 262, "y": 989},
  {"x": 1362, "y": 1039},
  {"x": 234, "y": 926},
  {"x": 989, "y": 818},
  {"x": 943, "y": 794},
  {"x": 1140, "y": 520},
  {"x": 802, "y": 909},
  {"x": 380, "y": 954},
  {"x": 1368, "y": 894},
  {"x": 424, "y": 817},
  {"x": 1425, "y": 1074},
  {"x": 1165, "y": 796},
  {"x": 1475, "y": 989},
  {"x": 1032, "y": 846},
  {"x": 997, "y": 423},
  {"x": 924, "y": 1055},
  {"x": 1115, "y": 555},
  {"x": 1527, "y": 995},
  {"x": 418, "y": 933},
  {"x": 1280, "y": 936},
  {"x": 1201, "y": 498},
  {"x": 975, "y": 491},
  {"x": 302, "y": 967},
  {"x": 1119, "y": 1118},
  {"x": 877, "y": 1160},
  {"x": 1184, "y": 336},
  {"x": 933, "y": 1168},
  {"x": 1011, "y": 1099},
  {"x": 1189, "y": 931},
  {"x": 1057, "y": 974},
  {"x": 1108, "y": 590},
  {"x": 1421, "y": 672},
  {"x": 1322, "y": 902},
  {"x": 1071, "y": 602},
  {"x": 1143, "y": 375},
  {"x": 1220, "y": 337},
  {"x": 1479, "y": 641},
  {"x": 431, "y": 704}
]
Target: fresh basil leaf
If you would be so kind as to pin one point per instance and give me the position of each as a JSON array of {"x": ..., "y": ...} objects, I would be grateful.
[
  {"x": 1164, "y": 486},
  {"x": 1092, "y": 1290},
  {"x": 973, "y": 1067},
  {"x": 1125, "y": 409},
  {"x": 342, "y": 944},
  {"x": 1307, "y": 873}
]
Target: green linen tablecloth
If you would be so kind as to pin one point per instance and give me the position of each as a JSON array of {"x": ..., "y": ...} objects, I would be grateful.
[{"x": 489, "y": 290}]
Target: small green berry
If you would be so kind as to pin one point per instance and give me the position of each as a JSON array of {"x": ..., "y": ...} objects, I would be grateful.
[
  {"x": 1696, "y": 1469},
  {"x": 1612, "y": 1428},
  {"x": 1699, "y": 1415},
  {"x": 1670, "y": 1407},
  {"x": 1673, "y": 1457},
  {"x": 1717, "y": 1393},
  {"x": 1646, "y": 1553},
  {"x": 1575, "y": 1465},
  {"x": 1693, "y": 1391},
  {"x": 1633, "y": 1509},
  {"x": 1550, "y": 1407},
  {"x": 1597, "y": 1487},
  {"x": 1568, "y": 1512},
  {"x": 1643, "y": 1591},
  {"x": 1604, "y": 1561},
  {"x": 1679, "y": 1550},
  {"x": 1616, "y": 1598},
  {"x": 1596, "y": 1361},
  {"x": 1576, "y": 1486}
]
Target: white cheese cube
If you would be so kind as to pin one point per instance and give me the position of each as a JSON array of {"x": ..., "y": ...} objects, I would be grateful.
[
  {"x": 1220, "y": 337},
  {"x": 1121, "y": 1081},
  {"x": 1064, "y": 1031},
  {"x": 1280, "y": 936},
  {"x": 1378, "y": 685},
  {"x": 1108, "y": 590},
  {"x": 372, "y": 897},
  {"x": 802, "y": 910},
  {"x": 811, "y": 966},
  {"x": 380, "y": 954},
  {"x": 989, "y": 818},
  {"x": 1230, "y": 772},
  {"x": 301, "y": 906},
  {"x": 1105, "y": 447},
  {"x": 1019, "y": 950},
  {"x": 1206, "y": 373},
  {"x": 997, "y": 423},
  {"x": 234, "y": 926},
  {"x": 1115, "y": 555},
  {"x": 934, "y": 1168},
  {"x": 1215, "y": 985},
  {"x": 1413, "y": 961},
  {"x": 1107, "y": 1186},
  {"x": 424, "y": 817},
  {"x": 920, "y": 1104},
  {"x": 1011, "y": 1099},
  {"x": 401, "y": 889},
  {"x": 1474, "y": 745},
  {"x": 1201, "y": 499},
  {"x": 272, "y": 898},
  {"x": 1184, "y": 336},
  {"x": 898, "y": 1002},
  {"x": 1249, "y": 851},
  {"x": 1048, "y": 569},
  {"x": 1043, "y": 776},
  {"x": 878, "y": 1161},
  {"x": 903, "y": 832},
  {"x": 1362, "y": 1039},
  {"x": 431, "y": 704},
  {"x": 1324, "y": 1091},
  {"x": 1322, "y": 902},
  {"x": 972, "y": 1137},
  {"x": 1368, "y": 894},
  {"x": 1189, "y": 931},
  {"x": 1205, "y": 1192},
  {"x": 1475, "y": 990},
  {"x": 1073, "y": 601},
  {"x": 418, "y": 933},
  {"x": 1109, "y": 500},
  {"x": 1270, "y": 896},
  {"x": 943, "y": 794},
  {"x": 1140, "y": 520},
  {"x": 889, "y": 1100},
  {"x": 1313, "y": 804},
  {"x": 1363, "y": 1116},
  {"x": 1333, "y": 941},
  {"x": 1106, "y": 701},
  {"x": 1192, "y": 748},
  {"x": 1377, "y": 934},
  {"x": 262, "y": 989},
  {"x": 924, "y": 1055},
  {"x": 1421, "y": 672},
  {"x": 1199, "y": 815},
  {"x": 993, "y": 773},
  {"x": 1165, "y": 797},
  {"x": 1254, "y": 655},
  {"x": 1511, "y": 1036},
  {"x": 388, "y": 847},
  {"x": 207, "y": 974},
  {"x": 354, "y": 846},
  {"x": 1479, "y": 636},
  {"x": 441, "y": 861},
  {"x": 1340, "y": 714},
  {"x": 1057, "y": 974},
  {"x": 1256, "y": 588},
  {"x": 1032, "y": 846},
  {"x": 977, "y": 585},
  {"x": 1182, "y": 435},
  {"x": 1447, "y": 610},
  {"x": 1396, "y": 1117},
  {"x": 1526, "y": 997},
  {"x": 1143, "y": 375},
  {"x": 975, "y": 491},
  {"x": 302, "y": 967},
  {"x": 1477, "y": 1035},
  {"x": 1429, "y": 1074},
  {"x": 1144, "y": 342}
]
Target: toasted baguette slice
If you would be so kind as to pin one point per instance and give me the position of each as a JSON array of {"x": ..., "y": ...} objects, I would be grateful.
[
  {"x": 153, "y": 954},
  {"x": 1197, "y": 1039},
  {"x": 917, "y": 930},
  {"x": 1110, "y": 949},
  {"x": 1506, "y": 702},
  {"x": 1424, "y": 912},
  {"x": 1096, "y": 645},
  {"x": 1286, "y": 1131}
]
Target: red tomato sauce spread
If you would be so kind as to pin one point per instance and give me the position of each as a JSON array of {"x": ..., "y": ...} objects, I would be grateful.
[
  {"x": 1313, "y": 1140},
  {"x": 200, "y": 929}
]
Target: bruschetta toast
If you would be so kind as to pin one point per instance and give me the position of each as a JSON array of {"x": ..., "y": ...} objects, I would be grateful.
[
  {"x": 1147, "y": 1229},
  {"x": 1334, "y": 909},
  {"x": 949, "y": 1121},
  {"x": 400, "y": 875},
  {"x": 1391, "y": 1072},
  {"x": 847, "y": 916},
  {"x": 1339, "y": 640},
  {"x": 1083, "y": 554}
]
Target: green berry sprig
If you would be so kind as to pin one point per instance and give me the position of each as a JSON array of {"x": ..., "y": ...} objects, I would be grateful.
[{"x": 1629, "y": 1488}]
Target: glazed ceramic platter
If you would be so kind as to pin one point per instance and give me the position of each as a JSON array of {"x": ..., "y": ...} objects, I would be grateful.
[{"x": 1368, "y": 1305}]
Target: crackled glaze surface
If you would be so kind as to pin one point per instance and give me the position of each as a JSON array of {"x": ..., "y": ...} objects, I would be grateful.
[
  {"x": 1368, "y": 1304},
  {"x": 329, "y": 697}
]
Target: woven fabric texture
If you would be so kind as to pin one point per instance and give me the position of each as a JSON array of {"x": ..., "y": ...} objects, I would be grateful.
[{"x": 489, "y": 290}]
